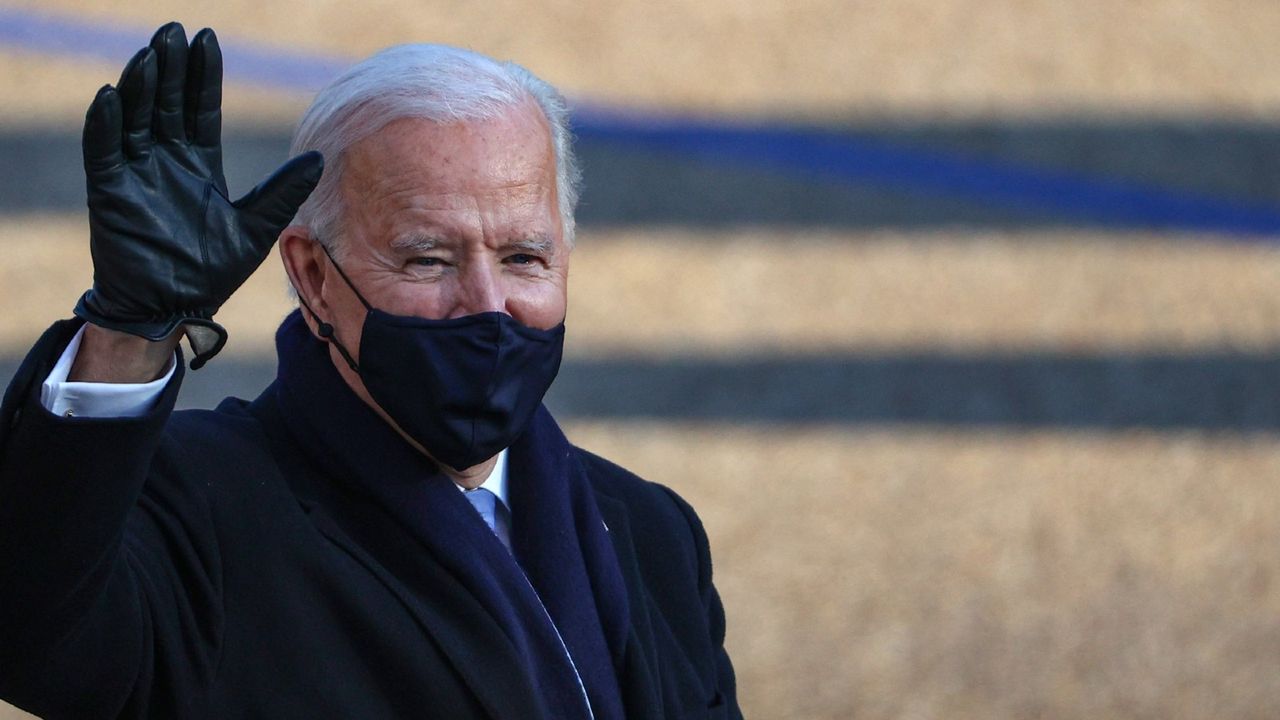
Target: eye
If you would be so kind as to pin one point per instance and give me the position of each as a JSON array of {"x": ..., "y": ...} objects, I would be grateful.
[
  {"x": 426, "y": 262},
  {"x": 522, "y": 259}
]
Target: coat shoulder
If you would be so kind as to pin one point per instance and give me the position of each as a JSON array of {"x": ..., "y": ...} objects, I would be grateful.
[
  {"x": 660, "y": 516},
  {"x": 639, "y": 495}
]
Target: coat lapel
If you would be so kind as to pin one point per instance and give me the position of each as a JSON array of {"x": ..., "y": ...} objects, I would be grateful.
[
  {"x": 459, "y": 626},
  {"x": 462, "y": 629},
  {"x": 640, "y": 692}
]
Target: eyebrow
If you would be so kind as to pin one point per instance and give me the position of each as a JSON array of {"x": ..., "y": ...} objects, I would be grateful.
[
  {"x": 538, "y": 243},
  {"x": 415, "y": 243},
  {"x": 533, "y": 243}
]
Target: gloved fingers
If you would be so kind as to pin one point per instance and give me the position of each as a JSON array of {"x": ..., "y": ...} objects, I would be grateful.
[
  {"x": 275, "y": 201},
  {"x": 204, "y": 90},
  {"x": 137, "y": 97},
  {"x": 101, "y": 142},
  {"x": 170, "y": 45}
]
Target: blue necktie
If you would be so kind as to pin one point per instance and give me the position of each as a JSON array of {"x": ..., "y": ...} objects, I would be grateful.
[{"x": 485, "y": 503}]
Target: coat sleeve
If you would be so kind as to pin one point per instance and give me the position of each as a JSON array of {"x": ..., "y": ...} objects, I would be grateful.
[
  {"x": 714, "y": 610},
  {"x": 109, "y": 583}
]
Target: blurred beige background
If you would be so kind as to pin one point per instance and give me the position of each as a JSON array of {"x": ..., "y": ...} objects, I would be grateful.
[{"x": 868, "y": 570}]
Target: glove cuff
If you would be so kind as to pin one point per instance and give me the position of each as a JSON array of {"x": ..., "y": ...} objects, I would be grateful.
[{"x": 205, "y": 336}]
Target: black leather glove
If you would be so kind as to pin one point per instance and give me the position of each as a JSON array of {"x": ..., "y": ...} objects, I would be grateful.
[{"x": 168, "y": 246}]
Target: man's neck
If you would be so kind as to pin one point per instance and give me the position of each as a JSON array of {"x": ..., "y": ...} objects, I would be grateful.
[{"x": 472, "y": 477}]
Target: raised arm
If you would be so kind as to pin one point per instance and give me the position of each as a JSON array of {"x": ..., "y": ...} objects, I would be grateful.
[{"x": 109, "y": 570}]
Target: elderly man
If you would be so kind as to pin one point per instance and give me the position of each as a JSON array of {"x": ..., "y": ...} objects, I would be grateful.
[{"x": 395, "y": 527}]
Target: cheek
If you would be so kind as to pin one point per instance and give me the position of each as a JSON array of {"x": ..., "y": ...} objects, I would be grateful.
[
  {"x": 540, "y": 306},
  {"x": 425, "y": 301}
]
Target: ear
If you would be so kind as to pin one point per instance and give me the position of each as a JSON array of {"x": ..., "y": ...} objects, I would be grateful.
[{"x": 305, "y": 265}]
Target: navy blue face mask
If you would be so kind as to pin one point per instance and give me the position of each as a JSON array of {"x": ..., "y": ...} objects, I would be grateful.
[{"x": 463, "y": 388}]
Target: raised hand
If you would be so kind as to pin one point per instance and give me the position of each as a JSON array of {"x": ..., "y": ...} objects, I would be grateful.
[{"x": 168, "y": 246}]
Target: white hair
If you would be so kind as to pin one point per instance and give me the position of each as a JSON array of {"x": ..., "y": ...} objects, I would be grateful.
[{"x": 430, "y": 82}]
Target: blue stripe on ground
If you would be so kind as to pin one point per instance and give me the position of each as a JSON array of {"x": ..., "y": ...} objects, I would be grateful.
[{"x": 829, "y": 156}]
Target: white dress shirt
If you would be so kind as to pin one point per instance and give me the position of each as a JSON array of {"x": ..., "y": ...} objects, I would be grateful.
[{"x": 98, "y": 400}]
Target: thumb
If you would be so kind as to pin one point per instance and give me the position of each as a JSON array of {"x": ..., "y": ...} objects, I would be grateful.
[{"x": 273, "y": 203}]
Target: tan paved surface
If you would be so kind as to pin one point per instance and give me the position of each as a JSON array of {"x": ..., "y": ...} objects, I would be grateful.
[
  {"x": 45, "y": 91},
  {"x": 657, "y": 292},
  {"x": 917, "y": 574},
  {"x": 934, "y": 57}
]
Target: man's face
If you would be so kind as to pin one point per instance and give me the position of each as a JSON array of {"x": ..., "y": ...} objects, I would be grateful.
[
  {"x": 441, "y": 221},
  {"x": 450, "y": 220}
]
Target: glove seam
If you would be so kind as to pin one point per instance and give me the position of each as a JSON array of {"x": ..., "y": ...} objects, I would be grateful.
[{"x": 204, "y": 246}]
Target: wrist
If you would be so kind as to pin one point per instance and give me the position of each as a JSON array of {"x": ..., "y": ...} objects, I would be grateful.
[{"x": 112, "y": 356}]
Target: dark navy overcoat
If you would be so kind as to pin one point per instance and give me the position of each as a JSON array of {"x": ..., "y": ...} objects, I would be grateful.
[{"x": 185, "y": 565}]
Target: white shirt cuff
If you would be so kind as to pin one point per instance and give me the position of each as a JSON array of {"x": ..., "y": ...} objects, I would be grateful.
[{"x": 96, "y": 399}]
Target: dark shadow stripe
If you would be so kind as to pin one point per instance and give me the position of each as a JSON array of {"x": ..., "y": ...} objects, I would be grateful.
[
  {"x": 40, "y": 171},
  {"x": 869, "y": 159},
  {"x": 1221, "y": 392},
  {"x": 632, "y": 186},
  {"x": 1212, "y": 391}
]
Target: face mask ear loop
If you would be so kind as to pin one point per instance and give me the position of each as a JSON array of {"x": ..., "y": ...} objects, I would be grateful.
[
  {"x": 326, "y": 332},
  {"x": 324, "y": 329},
  {"x": 346, "y": 279}
]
